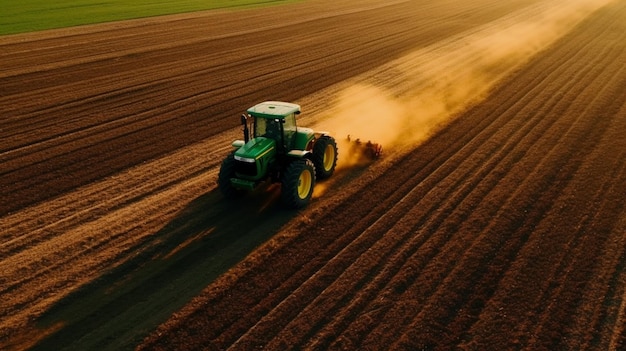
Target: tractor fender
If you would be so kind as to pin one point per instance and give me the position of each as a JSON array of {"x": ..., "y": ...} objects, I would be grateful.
[
  {"x": 320, "y": 134},
  {"x": 299, "y": 153}
]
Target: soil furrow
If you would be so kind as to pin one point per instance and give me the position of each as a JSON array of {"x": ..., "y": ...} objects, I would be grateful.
[
  {"x": 496, "y": 230},
  {"x": 590, "y": 128},
  {"x": 529, "y": 141},
  {"x": 28, "y": 230},
  {"x": 166, "y": 139}
]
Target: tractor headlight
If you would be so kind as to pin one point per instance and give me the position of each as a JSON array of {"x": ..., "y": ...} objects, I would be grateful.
[{"x": 245, "y": 159}]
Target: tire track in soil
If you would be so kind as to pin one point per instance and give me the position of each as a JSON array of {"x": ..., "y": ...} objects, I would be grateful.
[{"x": 320, "y": 283}]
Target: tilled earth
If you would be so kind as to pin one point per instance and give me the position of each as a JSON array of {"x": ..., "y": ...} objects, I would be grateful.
[{"x": 504, "y": 229}]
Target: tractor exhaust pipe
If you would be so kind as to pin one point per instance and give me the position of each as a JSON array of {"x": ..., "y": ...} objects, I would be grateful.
[{"x": 246, "y": 131}]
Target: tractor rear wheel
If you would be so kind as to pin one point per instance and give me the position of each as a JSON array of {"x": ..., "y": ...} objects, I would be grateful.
[
  {"x": 298, "y": 182},
  {"x": 227, "y": 171},
  {"x": 325, "y": 157}
]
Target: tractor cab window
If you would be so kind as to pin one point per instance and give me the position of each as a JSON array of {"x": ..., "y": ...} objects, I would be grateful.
[
  {"x": 289, "y": 127},
  {"x": 290, "y": 123},
  {"x": 269, "y": 128}
]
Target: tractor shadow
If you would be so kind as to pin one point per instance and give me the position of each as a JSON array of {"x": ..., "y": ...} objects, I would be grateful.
[{"x": 163, "y": 273}]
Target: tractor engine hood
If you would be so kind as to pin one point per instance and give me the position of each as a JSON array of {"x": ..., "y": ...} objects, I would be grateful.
[{"x": 255, "y": 149}]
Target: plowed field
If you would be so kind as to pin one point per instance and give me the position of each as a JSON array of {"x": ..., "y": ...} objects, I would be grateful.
[{"x": 495, "y": 220}]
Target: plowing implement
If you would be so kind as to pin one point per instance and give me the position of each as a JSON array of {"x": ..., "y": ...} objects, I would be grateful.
[{"x": 367, "y": 150}]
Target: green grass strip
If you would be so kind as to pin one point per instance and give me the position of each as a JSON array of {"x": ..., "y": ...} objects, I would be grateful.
[{"x": 19, "y": 16}]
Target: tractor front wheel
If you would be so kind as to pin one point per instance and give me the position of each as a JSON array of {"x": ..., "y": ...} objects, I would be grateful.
[
  {"x": 325, "y": 157},
  {"x": 227, "y": 171},
  {"x": 298, "y": 182}
]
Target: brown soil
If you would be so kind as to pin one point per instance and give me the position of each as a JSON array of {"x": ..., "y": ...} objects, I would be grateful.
[{"x": 505, "y": 229}]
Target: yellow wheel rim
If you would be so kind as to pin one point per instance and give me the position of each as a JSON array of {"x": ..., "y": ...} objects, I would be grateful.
[
  {"x": 329, "y": 157},
  {"x": 304, "y": 184}
]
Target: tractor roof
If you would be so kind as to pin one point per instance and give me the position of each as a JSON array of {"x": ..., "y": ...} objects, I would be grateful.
[{"x": 274, "y": 109}]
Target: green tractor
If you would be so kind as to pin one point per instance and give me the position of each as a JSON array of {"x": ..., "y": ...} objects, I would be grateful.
[{"x": 274, "y": 149}]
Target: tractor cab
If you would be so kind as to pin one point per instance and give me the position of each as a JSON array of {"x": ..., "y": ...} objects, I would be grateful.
[{"x": 277, "y": 121}]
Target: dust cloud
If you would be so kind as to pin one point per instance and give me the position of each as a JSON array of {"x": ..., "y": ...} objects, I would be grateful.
[{"x": 404, "y": 102}]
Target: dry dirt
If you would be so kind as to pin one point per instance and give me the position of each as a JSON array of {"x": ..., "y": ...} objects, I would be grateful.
[{"x": 495, "y": 219}]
